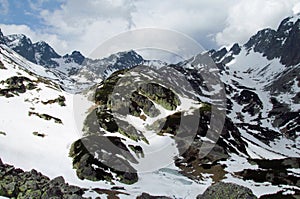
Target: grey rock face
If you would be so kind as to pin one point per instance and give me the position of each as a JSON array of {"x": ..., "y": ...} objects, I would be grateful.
[{"x": 278, "y": 43}]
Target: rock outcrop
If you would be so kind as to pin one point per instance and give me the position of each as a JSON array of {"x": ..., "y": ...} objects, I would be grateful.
[{"x": 16, "y": 183}]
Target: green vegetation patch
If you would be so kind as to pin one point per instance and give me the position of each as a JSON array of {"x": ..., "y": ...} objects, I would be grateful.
[{"x": 161, "y": 95}]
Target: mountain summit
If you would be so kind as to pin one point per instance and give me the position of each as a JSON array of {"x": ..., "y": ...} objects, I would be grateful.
[{"x": 279, "y": 43}]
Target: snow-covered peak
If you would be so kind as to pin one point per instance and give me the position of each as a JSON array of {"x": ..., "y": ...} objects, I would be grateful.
[
  {"x": 75, "y": 56},
  {"x": 45, "y": 48},
  {"x": 124, "y": 55},
  {"x": 293, "y": 19},
  {"x": 41, "y": 43},
  {"x": 288, "y": 24},
  {"x": 155, "y": 63},
  {"x": 16, "y": 40},
  {"x": 44, "y": 54},
  {"x": 102, "y": 68},
  {"x": 281, "y": 43}
]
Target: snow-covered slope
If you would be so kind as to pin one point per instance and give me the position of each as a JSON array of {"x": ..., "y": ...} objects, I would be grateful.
[
  {"x": 35, "y": 119},
  {"x": 38, "y": 128},
  {"x": 249, "y": 77},
  {"x": 262, "y": 88},
  {"x": 258, "y": 146}
]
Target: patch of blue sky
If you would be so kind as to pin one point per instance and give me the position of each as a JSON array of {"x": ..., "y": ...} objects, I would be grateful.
[{"x": 27, "y": 12}]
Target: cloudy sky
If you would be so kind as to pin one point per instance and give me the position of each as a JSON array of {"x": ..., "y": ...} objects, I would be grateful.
[{"x": 82, "y": 25}]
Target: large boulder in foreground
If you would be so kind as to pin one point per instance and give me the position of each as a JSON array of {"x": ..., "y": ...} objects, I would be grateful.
[{"x": 227, "y": 190}]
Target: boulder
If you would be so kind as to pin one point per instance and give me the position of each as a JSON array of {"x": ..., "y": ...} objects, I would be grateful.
[{"x": 227, "y": 190}]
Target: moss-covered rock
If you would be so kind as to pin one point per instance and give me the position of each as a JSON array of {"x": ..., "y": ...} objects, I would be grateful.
[
  {"x": 141, "y": 103},
  {"x": 188, "y": 129},
  {"x": 161, "y": 95},
  {"x": 227, "y": 190},
  {"x": 138, "y": 150},
  {"x": 30, "y": 194},
  {"x": 105, "y": 119},
  {"x": 15, "y": 183},
  {"x": 98, "y": 158},
  {"x": 106, "y": 88}
]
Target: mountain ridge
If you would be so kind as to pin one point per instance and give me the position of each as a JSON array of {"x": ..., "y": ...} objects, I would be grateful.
[{"x": 261, "y": 122}]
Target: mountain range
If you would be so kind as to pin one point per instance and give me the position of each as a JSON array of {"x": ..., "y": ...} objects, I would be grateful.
[{"x": 62, "y": 115}]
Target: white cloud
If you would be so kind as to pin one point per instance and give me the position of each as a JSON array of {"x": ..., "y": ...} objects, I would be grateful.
[
  {"x": 74, "y": 16},
  {"x": 296, "y": 8},
  {"x": 4, "y": 7},
  {"x": 196, "y": 18},
  {"x": 78, "y": 25},
  {"x": 247, "y": 17},
  {"x": 85, "y": 25}
]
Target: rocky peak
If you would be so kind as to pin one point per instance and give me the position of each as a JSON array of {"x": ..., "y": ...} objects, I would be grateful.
[
  {"x": 22, "y": 45},
  {"x": 235, "y": 49},
  {"x": 1, "y": 37},
  {"x": 126, "y": 56},
  {"x": 44, "y": 54},
  {"x": 286, "y": 24},
  {"x": 283, "y": 43},
  {"x": 122, "y": 60},
  {"x": 45, "y": 48},
  {"x": 291, "y": 48},
  {"x": 223, "y": 56},
  {"x": 15, "y": 40},
  {"x": 76, "y": 56},
  {"x": 218, "y": 55},
  {"x": 261, "y": 40}
]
